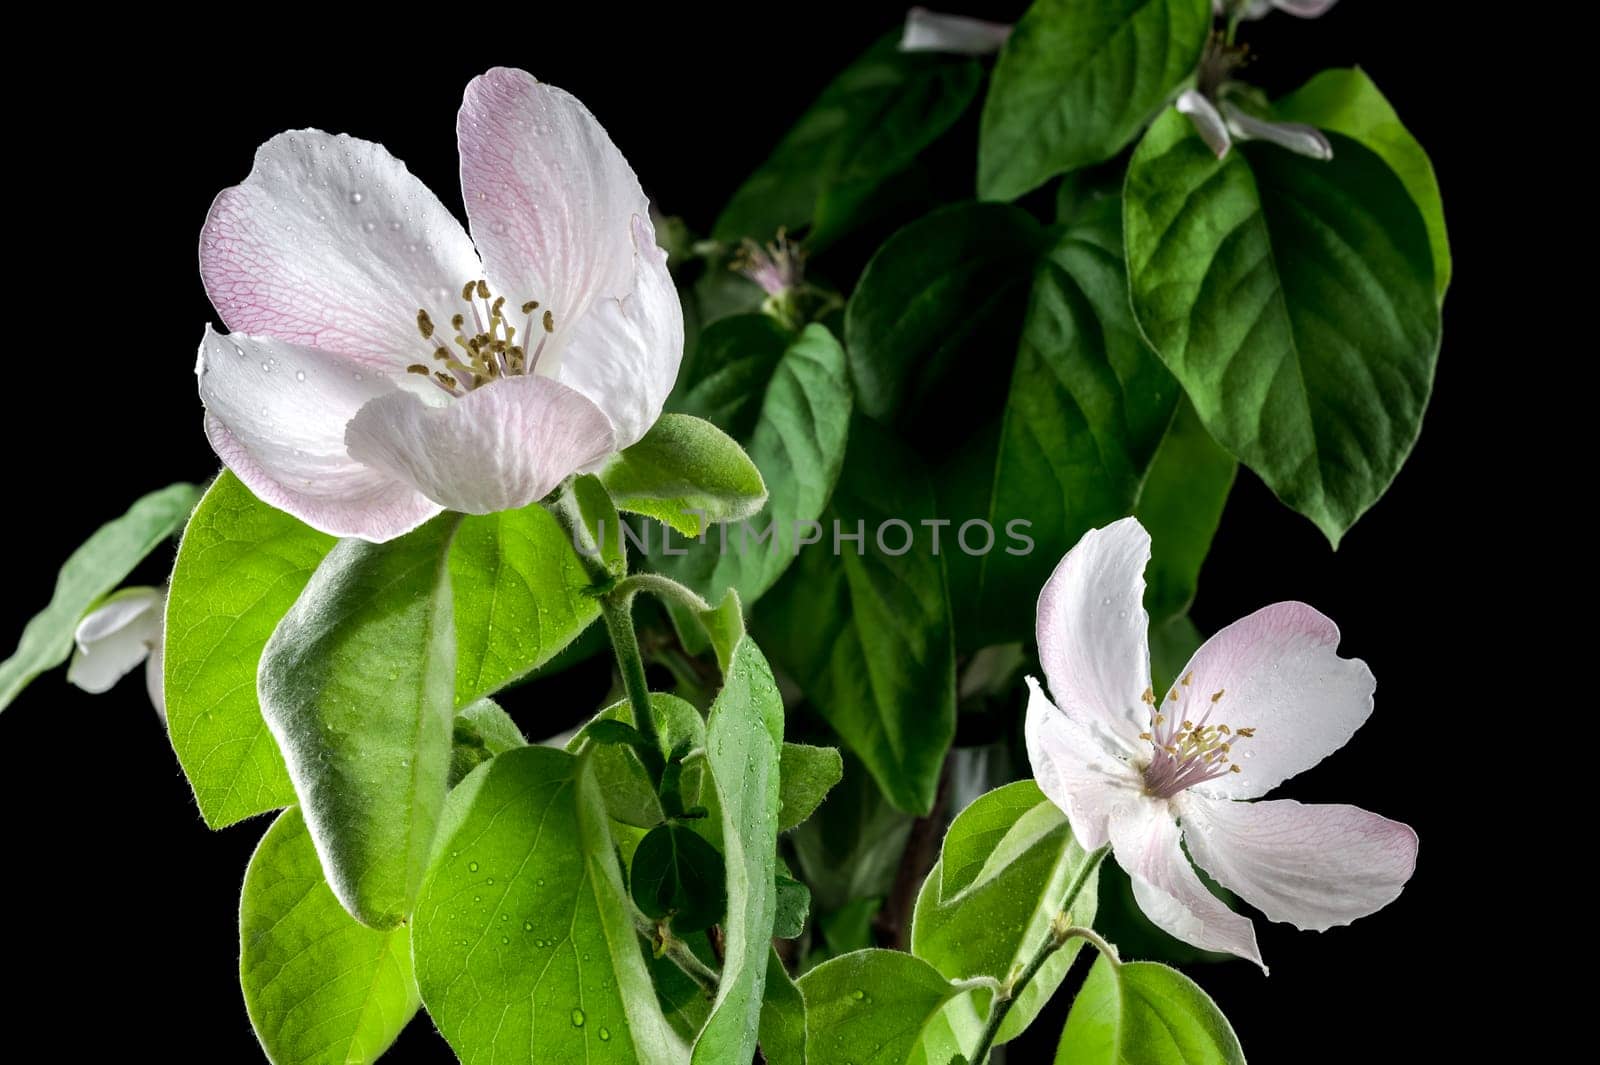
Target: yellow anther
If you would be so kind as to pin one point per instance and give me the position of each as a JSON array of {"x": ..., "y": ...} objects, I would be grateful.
[
  {"x": 445, "y": 379},
  {"x": 1161, "y": 719},
  {"x": 530, "y": 306},
  {"x": 1188, "y": 724},
  {"x": 458, "y": 321},
  {"x": 1234, "y": 769},
  {"x": 1144, "y": 735},
  {"x": 1188, "y": 677},
  {"x": 1246, "y": 732},
  {"x": 424, "y": 324},
  {"x": 1148, "y": 696},
  {"x": 1217, "y": 694},
  {"x": 549, "y": 322},
  {"x": 1173, "y": 695},
  {"x": 499, "y": 301},
  {"x": 483, "y": 290},
  {"x": 466, "y": 290},
  {"x": 1222, "y": 729},
  {"x": 417, "y": 367}
]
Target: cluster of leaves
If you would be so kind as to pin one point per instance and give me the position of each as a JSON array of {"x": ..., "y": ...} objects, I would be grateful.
[{"x": 648, "y": 891}]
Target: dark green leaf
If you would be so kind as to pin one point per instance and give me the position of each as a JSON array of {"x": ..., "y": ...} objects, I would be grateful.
[
  {"x": 1180, "y": 505},
  {"x": 93, "y": 569},
  {"x": 734, "y": 361},
  {"x": 1146, "y": 1013},
  {"x": 678, "y": 875},
  {"x": 625, "y": 784},
  {"x": 687, "y": 473},
  {"x": 1346, "y": 101},
  {"x": 794, "y": 906},
  {"x": 868, "y": 124},
  {"x": 783, "y": 1017},
  {"x": 356, "y": 685},
  {"x": 850, "y": 848},
  {"x": 1295, "y": 301},
  {"x": 320, "y": 988},
  {"x": 1076, "y": 82},
  {"x": 240, "y": 568},
  {"x": 868, "y": 635},
  {"x": 525, "y": 948},
  {"x": 809, "y": 773},
  {"x": 798, "y": 444}
]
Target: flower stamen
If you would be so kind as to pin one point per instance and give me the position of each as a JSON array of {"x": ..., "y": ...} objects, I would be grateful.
[
  {"x": 488, "y": 353},
  {"x": 1185, "y": 751}
]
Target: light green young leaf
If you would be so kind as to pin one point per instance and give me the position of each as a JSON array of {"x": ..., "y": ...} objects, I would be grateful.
[
  {"x": 869, "y": 124},
  {"x": 524, "y": 941},
  {"x": 1294, "y": 299},
  {"x": 1180, "y": 505},
  {"x": 1076, "y": 82},
  {"x": 320, "y": 988},
  {"x": 744, "y": 735},
  {"x": 783, "y": 1017},
  {"x": 869, "y": 635},
  {"x": 1146, "y": 1013},
  {"x": 1346, "y": 101},
  {"x": 809, "y": 773},
  {"x": 987, "y": 917},
  {"x": 93, "y": 569},
  {"x": 240, "y": 567},
  {"x": 687, "y": 473},
  {"x": 356, "y": 685},
  {"x": 519, "y": 591},
  {"x": 798, "y": 444},
  {"x": 482, "y": 731},
  {"x": 870, "y": 1007},
  {"x": 629, "y": 795}
]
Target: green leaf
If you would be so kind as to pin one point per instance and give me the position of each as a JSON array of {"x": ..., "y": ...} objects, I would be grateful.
[
  {"x": 320, "y": 988},
  {"x": 794, "y": 906},
  {"x": 744, "y": 735},
  {"x": 90, "y": 572},
  {"x": 1294, "y": 299},
  {"x": 808, "y": 774},
  {"x": 1076, "y": 82},
  {"x": 520, "y": 597},
  {"x": 869, "y": 124},
  {"x": 627, "y": 789},
  {"x": 1146, "y": 1013},
  {"x": 1346, "y": 101},
  {"x": 798, "y": 444},
  {"x": 868, "y": 636},
  {"x": 1180, "y": 505},
  {"x": 1088, "y": 405},
  {"x": 678, "y": 875},
  {"x": 687, "y": 473},
  {"x": 524, "y": 944},
  {"x": 930, "y": 304},
  {"x": 1012, "y": 858},
  {"x": 355, "y": 684},
  {"x": 734, "y": 361},
  {"x": 870, "y": 1007},
  {"x": 482, "y": 731},
  {"x": 850, "y": 849},
  {"x": 240, "y": 567},
  {"x": 783, "y": 1017}
]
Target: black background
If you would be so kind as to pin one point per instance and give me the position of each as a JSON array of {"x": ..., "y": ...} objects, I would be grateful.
[{"x": 120, "y": 913}]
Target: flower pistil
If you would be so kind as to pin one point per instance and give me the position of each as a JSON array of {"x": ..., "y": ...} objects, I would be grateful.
[
  {"x": 1187, "y": 752},
  {"x": 487, "y": 352}
]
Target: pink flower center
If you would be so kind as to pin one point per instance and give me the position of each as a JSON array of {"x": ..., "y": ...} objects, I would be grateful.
[
  {"x": 487, "y": 352},
  {"x": 778, "y": 268},
  {"x": 1187, "y": 750}
]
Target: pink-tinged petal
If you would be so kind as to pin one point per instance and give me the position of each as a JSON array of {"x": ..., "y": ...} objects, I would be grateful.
[
  {"x": 115, "y": 637},
  {"x": 624, "y": 353},
  {"x": 1144, "y": 838},
  {"x": 932, "y": 31},
  {"x": 1092, "y": 631},
  {"x": 550, "y": 198},
  {"x": 1206, "y": 119},
  {"x": 1074, "y": 771},
  {"x": 497, "y": 448},
  {"x": 276, "y": 415},
  {"x": 1304, "y": 8},
  {"x": 331, "y": 243},
  {"x": 1279, "y": 675},
  {"x": 1311, "y": 866},
  {"x": 153, "y": 677},
  {"x": 1297, "y": 137}
]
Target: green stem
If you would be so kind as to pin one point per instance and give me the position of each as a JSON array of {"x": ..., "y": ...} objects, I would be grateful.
[
  {"x": 1061, "y": 931},
  {"x": 662, "y": 588},
  {"x": 618, "y": 612},
  {"x": 677, "y": 951}
]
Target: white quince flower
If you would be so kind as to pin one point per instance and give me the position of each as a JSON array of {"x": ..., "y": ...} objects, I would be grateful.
[
  {"x": 931, "y": 31},
  {"x": 1265, "y": 698},
  {"x": 383, "y": 366},
  {"x": 1220, "y": 125},
  {"x": 1253, "y": 9},
  {"x": 114, "y": 637}
]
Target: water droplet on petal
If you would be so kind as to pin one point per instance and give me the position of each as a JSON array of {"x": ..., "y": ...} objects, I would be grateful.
[
  {"x": 299, "y": 375},
  {"x": 356, "y": 197},
  {"x": 369, "y": 227},
  {"x": 266, "y": 367}
]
